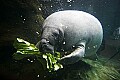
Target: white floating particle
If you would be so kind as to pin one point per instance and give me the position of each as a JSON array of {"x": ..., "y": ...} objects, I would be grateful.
[
  {"x": 39, "y": 9},
  {"x": 55, "y": 38},
  {"x": 38, "y": 75},
  {"x": 66, "y": 26},
  {"x": 93, "y": 46},
  {"x": 31, "y": 61},
  {"x": 64, "y": 42},
  {"x": 44, "y": 76},
  {"x": 61, "y": 24},
  {"x": 63, "y": 50},
  {"x": 37, "y": 32},
  {"x": 96, "y": 45},
  {"x": 88, "y": 47},
  {"x": 28, "y": 59},
  {"x": 24, "y": 19},
  {"x": 48, "y": 41},
  {"x": 73, "y": 46},
  {"x": 47, "y": 45},
  {"x": 83, "y": 55},
  {"x": 55, "y": 30},
  {"x": 69, "y": 0},
  {"x": 36, "y": 21}
]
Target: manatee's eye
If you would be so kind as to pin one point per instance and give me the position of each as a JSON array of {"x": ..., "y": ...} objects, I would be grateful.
[{"x": 55, "y": 34}]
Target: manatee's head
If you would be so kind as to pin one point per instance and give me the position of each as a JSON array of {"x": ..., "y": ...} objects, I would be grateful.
[
  {"x": 45, "y": 46},
  {"x": 49, "y": 39}
]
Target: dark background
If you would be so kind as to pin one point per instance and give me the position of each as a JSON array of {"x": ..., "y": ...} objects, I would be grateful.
[{"x": 23, "y": 19}]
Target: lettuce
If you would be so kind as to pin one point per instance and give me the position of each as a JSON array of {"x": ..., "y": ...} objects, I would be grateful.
[{"x": 26, "y": 49}]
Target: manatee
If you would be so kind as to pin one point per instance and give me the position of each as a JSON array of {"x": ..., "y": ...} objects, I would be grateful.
[{"x": 75, "y": 32}]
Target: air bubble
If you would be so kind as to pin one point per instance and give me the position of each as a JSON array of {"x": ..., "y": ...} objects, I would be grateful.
[
  {"x": 47, "y": 45},
  {"x": 47, "y": 41},
  {"x": 69, "y": 0},
  {"x": 36, "y": 21},
  {"x": 96, "y": 59},
  {"x": 55, "y": 38},
  {"x": 31, "y": 61},
  {"x": 28, "y": 59},
  {"x": 61, "y": 24},
  {"x": 63, "y": 42},
  {"x": 88, "y": 47},
  {"x": 95, "y": 46},
  {"x": 38, "y": 75},
  {"x": 44, "y": 76},
  {"x": 39, "y": 9},
  {"x": 62, "y": 49},
  {"x": 66, "y": 27},
  {"x": 24, "y": 19},
  {"x": 66, "y": 52},
  {"x": 37, "y": 33},
  {"x": 73, "y": 46}
]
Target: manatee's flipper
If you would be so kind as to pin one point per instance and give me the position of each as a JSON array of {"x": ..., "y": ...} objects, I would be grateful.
[{"x": 74, "y": 57}]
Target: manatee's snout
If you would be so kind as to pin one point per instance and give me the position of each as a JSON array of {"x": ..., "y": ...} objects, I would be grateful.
[
  {"x": 44, "y": 41},
  {"x": 45, "y": 46}
]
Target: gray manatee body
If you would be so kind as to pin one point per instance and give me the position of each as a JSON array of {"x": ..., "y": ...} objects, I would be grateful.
[{"x": 72, "y": 31}]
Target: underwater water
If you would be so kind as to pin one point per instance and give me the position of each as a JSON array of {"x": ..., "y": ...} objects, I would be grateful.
[{"x": 24, "y": 19}]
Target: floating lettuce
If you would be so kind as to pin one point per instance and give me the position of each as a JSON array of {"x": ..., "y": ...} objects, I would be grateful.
[{"x": 26, "y": 49}]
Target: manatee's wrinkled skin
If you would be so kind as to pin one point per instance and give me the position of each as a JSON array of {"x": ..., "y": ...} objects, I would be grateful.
[{"x": 71, "y": 30}]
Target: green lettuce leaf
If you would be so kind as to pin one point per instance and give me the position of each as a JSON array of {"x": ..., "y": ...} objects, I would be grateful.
[{"x": 26, "y": 49}]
